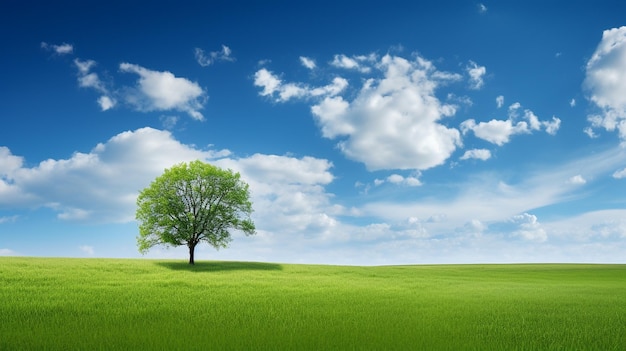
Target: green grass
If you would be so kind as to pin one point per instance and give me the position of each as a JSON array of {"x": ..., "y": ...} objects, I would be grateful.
[{"x": 107, "y": 304}]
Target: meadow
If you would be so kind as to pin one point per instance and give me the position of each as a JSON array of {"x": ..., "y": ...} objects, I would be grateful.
[{"x": 116, "y": 304}]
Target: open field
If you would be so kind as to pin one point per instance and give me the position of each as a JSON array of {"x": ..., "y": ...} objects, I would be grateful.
[{"x": 108, "y": 304}]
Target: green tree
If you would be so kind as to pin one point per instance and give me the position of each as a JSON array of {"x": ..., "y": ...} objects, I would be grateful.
[{"x": 191, "y": 203}]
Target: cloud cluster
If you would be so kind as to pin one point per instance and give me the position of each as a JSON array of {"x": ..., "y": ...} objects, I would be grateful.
[
  {"x": 288, "y": 193},
  {"x": 394, "y": 119},
  {"x": 605, "y": 82},
  {"x": 89, "y": 79},
  {"x": 499, "y": 132},
  {"x": 154, "y": 90}
]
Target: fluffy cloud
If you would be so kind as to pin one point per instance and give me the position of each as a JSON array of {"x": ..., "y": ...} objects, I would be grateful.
[
  {"x": 162, "y": 91},
  {"x": 100, "y": 185},
  {"x": 478, "y": 154},
  {"x": 205, "y": 59},
  {"x": 393, "y": 122},
  {"x": 529, "y": 228},
  {"x": 499, "y": 132},
  {"x": 476, "y": 74},
  {"x": 399, "y": 180},
  {"x": 605, "y": 81},
  {"x": 288, "y": 193},
  {"x": 63, "y": 49},
  {"x": 307, "y": 62}
]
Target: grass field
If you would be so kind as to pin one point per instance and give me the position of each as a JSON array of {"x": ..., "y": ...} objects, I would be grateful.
[{"x": 111, "y": 304}]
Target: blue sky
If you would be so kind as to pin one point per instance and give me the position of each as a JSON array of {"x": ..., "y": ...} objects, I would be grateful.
[{"x": 403, "y": 132}]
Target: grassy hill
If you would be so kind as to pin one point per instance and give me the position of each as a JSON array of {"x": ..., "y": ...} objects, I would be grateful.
[{"x": 112, "y": 304}]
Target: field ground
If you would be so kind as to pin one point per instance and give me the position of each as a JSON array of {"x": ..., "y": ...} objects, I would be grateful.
[{"x": 114, "y": 304}]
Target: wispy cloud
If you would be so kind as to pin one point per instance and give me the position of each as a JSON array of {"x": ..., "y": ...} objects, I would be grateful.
[
  {"x": 500, "y": 101},
  {"x": 89, "y": 250},
  {"x": 8, "y": 219},
  {"x": 89, "y": 79},
  {"x": 207, "y": 59},
  {"x": 62, "y": 49},
  {"x": 7, "y": 252},
  {"x": 273, "y": 86},
  {"x": 476, "y": 74},
  {"x": 307, "y": 62}
]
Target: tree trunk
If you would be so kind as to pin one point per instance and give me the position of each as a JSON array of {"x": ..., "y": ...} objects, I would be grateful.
[{"x": 191, "y": 249}]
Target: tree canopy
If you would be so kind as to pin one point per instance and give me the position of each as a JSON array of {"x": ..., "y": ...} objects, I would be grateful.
[{"x": 193, "y": 203}]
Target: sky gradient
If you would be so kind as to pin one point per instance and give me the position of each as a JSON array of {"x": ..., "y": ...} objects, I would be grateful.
[{"x": 409, "y": 132}]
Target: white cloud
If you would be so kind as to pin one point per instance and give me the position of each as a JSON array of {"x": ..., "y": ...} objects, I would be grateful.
[
  {"x": 577, "y": 180},
  {"x": 499, "y": 101},
  {"x": 620, "y": 174},
  {"x": 605, "y": 81},
  {"x": 205, "y": 60},
  {"x": 499, "y": 132},
  {"x": 358, "y": 63},
  {"x": 529, "y": 228},
  {"x": 9, "y": 163},
  {"x": 495, "y": 131},
  {"x": 482, "y": 8},
  {"x": 399, "y": 180},
  {"x": 478, "y": 154},
  {"x": 162, "y": 91},
  {"x": 476, "y": 74},
  {"x": 307, "y": 62},
  {"x": 89, "y": 250},
  {"x": 106, "y": 102},
  {"x": 274, "y": 87},
  {"x": 267, "y": 80},
  {"x": 572, "y": 102},
  {"x": 62, "y": 49}
]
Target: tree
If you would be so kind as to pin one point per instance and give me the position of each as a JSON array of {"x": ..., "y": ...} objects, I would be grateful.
[{"x": 191, "y": 203}]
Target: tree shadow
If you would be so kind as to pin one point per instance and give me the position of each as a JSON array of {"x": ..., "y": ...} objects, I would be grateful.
[{"x": 219, "y": 266}]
